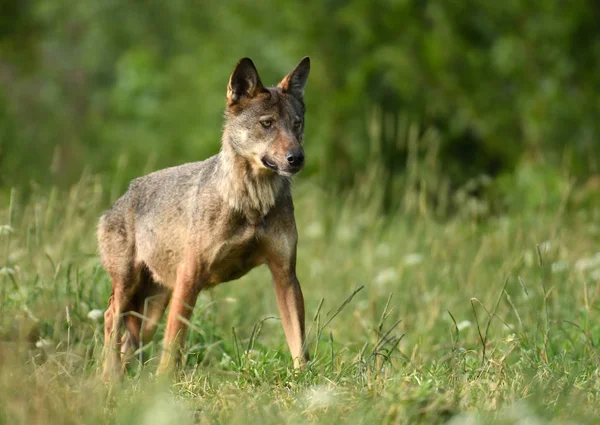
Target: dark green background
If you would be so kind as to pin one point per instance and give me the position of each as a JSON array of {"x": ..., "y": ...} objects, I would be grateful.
[{"x": 483, "y": 88}]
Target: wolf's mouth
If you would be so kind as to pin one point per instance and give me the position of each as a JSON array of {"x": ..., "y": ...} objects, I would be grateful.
[
  {"x": 282, "y": 171},
  {"x": 269, "y": 164}
]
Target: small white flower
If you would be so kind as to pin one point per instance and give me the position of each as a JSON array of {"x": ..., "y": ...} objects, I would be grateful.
[
  {"x": 165, "y": 410},
  {"x": 559, "y": 266},
  {"x": 230, "y": 300},
  {"x": 320, "y": 396},
  {"x": 5, "y": 229},
  {"x": 225, "y": 360},
  {"x": 545, "y": 246},
  {"x": 7, "y": 271},
  {"x": 95, "y": 315},
  {"x": 386, "y": 276},
  {"x": 43, "y": 343},
  {"x": 464, "y": 325},
  {"x": 464, "y": 419},
  {"x": 362, "y": 305},
  {"x": 521, "y": 414},
  {"x": 588, "y": 263},
  {"x": 412, "y": 259}
]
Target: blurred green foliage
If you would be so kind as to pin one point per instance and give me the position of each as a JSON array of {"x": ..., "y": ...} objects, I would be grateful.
[{"x": 140, "y": 84}]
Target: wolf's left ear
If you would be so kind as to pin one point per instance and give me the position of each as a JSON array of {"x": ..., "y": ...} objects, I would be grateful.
[
  {"x": 295, "y": 81},
  {"x": 244, "y": 82}
]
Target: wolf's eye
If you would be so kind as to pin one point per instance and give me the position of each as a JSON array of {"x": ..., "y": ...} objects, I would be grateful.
[
  {"x": 297, "y": 124},
  {"x": 266, "y": 123}
]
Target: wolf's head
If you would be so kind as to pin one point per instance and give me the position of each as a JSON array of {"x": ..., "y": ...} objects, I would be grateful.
[{"x": 265, "y": 125}]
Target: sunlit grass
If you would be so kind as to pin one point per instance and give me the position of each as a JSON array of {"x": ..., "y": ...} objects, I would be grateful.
[{"x": 464, "y": 321}]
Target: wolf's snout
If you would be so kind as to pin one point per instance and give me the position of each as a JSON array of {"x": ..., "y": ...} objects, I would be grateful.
[{"x": 295, "y": 158}]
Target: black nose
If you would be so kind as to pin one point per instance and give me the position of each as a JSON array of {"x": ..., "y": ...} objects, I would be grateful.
[{"x": 295, "y": 158}]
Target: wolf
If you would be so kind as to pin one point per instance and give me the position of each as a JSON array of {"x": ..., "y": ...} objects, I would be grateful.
[{"x": 182, "y": 229}]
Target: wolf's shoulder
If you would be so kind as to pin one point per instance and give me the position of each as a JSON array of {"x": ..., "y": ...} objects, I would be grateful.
[
  {"x": 177, "y": 174},
  {"x": 170, "y": 186}
]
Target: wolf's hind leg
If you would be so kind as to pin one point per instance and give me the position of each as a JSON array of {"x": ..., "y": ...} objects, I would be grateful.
[
  {"x": 148, "y": 307},
  {"x": 113, "y": 326}
]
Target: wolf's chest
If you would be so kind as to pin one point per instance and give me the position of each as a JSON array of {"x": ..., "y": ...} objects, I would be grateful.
[{"x": 236, "y": 256}]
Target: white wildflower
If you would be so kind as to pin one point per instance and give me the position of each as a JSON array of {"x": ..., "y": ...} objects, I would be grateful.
[
  {"x": 7, "y": 271},
  {"x": 95, "y": 314},
  {"x": 464, "y": 419},
  {"x": 166, "y": 411},
  {"x": 385, "y": 276},
  {"x": 545, "y": 246},
  {"x": 521, "y": 414},
  {"x": 559, "y": 266},
  {"x": 43, "y": 343},
  {"x": 588, "y": 263},
  {"x": 225, "y": 360},
  {"x": 319, "y": 397},
  {"x": 464, "y": 325},
  {"x": 412, "y": 259},
  {"x": 5, "y": 229}
]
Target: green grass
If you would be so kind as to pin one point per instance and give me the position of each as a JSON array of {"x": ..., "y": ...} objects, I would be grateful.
[{"x": 461, "y": 322}]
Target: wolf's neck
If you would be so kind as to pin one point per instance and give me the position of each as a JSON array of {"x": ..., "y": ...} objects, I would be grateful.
[{"x": 245, "y": 188}]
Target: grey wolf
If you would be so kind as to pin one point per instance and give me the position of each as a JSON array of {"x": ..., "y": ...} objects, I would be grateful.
[{"x": 183, "y": 229}]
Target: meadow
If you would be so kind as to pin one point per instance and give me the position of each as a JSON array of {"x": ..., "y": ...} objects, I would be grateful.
[
  {"x": 412, "y": 319},
  {"x": 448, "y": 214}
]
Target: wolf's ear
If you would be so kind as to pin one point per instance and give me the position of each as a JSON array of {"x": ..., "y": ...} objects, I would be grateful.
[
  {"x": 295, "y": 81},
  {"x": 244, "y": 82}
]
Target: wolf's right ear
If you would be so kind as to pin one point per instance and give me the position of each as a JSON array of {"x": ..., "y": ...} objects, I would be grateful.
[{"x": 244, "y": 82}]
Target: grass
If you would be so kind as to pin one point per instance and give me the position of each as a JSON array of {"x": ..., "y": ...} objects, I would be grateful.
[{"x": 460, "y": 322}]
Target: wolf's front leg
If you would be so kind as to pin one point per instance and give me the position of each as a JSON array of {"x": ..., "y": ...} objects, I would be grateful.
[
  {"x": 291, "y": 308},
  {"x": 183, "y": 300}
]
